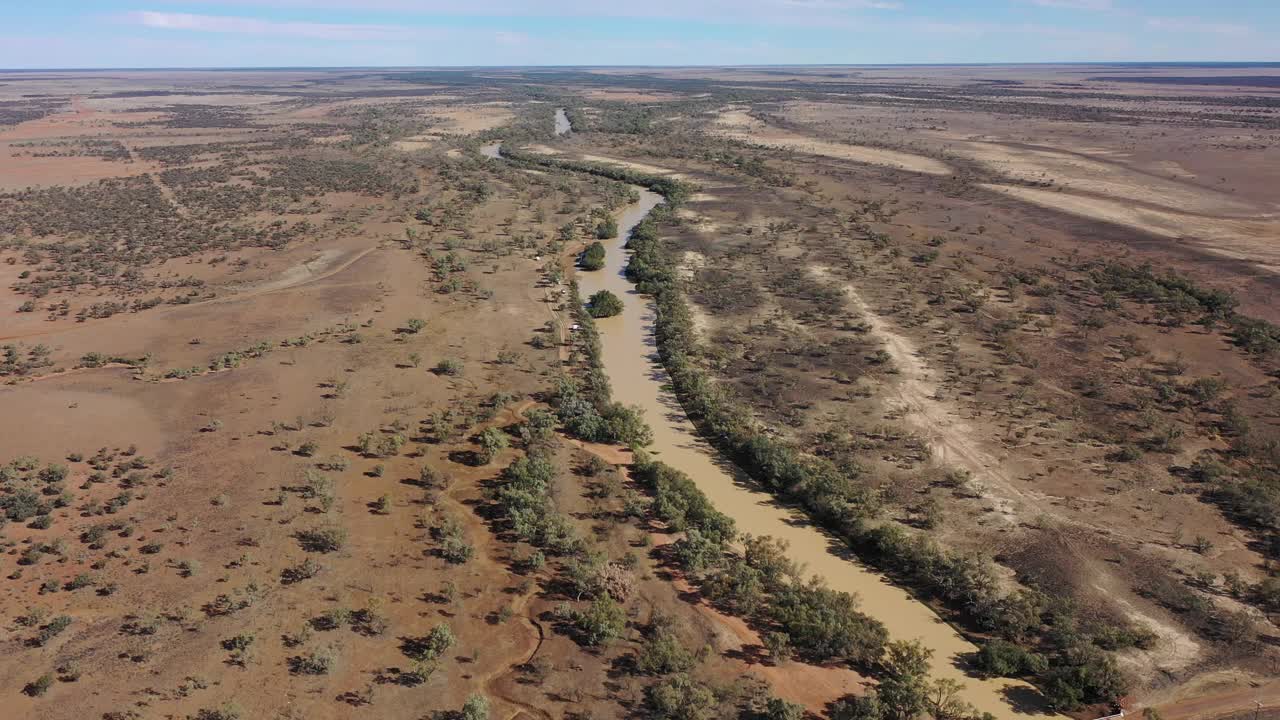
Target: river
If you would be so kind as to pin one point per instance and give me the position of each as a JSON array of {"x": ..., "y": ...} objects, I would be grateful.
[{"x": 638, "y": 378}]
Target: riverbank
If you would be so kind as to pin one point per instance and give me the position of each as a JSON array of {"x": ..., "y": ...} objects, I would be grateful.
[{"x": 630, "y": 358}]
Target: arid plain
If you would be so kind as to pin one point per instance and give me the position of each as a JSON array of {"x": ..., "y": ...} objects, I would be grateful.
[{"x": 931, "y": 392}]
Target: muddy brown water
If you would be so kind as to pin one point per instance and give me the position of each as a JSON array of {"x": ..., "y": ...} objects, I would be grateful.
[{"x": 638, "y": 378}]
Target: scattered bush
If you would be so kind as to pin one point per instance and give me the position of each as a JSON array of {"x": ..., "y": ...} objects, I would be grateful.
[
  {"x": 601, "y": 623},
  {"x": 39, "y": 686},
  {"x": 322, "y": 540},
  {"x": 449, "y": 367},
  {"x": 680, "y": 697}
]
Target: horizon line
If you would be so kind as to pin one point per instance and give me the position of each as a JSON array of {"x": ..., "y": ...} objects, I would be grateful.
[{"x": 1069, "y": 63}]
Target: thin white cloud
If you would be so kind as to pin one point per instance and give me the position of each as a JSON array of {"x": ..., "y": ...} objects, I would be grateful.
[
  {"x": 255, "y": 26},
  {"x": 725, "y": 10},
  {"x": 1075, "y": 4},
  {"x": 504, "y": 37},
  {"x": 829, "y": 5},
  {"x": 1197, "y": 25}
]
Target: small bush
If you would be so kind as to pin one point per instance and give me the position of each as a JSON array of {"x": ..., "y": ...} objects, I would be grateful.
[
  {"x": 323, "y": 540},
  {"x": 321, "y": 662},
  {"x": 55, "y": 628},
  {"x": 475, "y": 708},
  {"x": 449, "y": 367},
  {"x": 602, "y": 622},
  {"x": 39, "y": 686}
]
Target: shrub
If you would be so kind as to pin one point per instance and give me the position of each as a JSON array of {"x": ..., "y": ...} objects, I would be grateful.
[
  {"x": 331, "y": 619},
  {"x": 475, "y": 708},
  {"x": 1082, "y": 675},
  {"x": 55, "y": 628},
  {"x": 779, "y": 709},
  {"x": 679, "y": 502},
  {"x": 680, "y": 697},
  {"x": 431, "y": 646},
  {"x": 865, "y": 707},
  {"x": 323, "y": 540},
  {"x": 380, "y": 444},
  {"x": 39, "y": 686},
  {"x": 238, "y": 643},
  {"x": 321, "y": 662},
  {"x": 602, "y": 622},
  {"x": 449, "y": 367},
  {"x": 492, "y": 442},
  {"x": 453, "y": 542},
  {"x": 229, "y": 711},
  {"x": 82, "y": 580},
  {"x": 606, "y": 228},
  {"x": 662, "y": 652},
  {"x": 1000, "y": 658},
  {"x": 824, "y": 624}
]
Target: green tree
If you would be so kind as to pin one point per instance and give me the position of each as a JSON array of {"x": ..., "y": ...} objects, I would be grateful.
[
  {"x": 475, "y": 708},
  {"x": 824, "y": 624},
  {"x": 904, "y": 691},
  {"x": 604, "y": 304},
  {"x": 430, "y": 647},
  {"x": 593, "y": 257},
  {"x": 606, "y": 228},
  {"x": 492, "y": 442},
  {"x": 662, "y": 652},
  {"x": 602, "y": 622},
  {"x": 680, "y": 697}
]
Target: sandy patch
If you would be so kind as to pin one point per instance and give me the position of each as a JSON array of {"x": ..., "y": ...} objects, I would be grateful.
[
  {"x": 323, "y": 264},
  {"x": 738, "y": 125},
  {"x": 914, "y": 393},
  {"x": 74, "y": 414},
  {"x": 417, "y": 142},
  {"x": 637, "y": 166},
  {"x": 1252, "y": 240},
  {"x": 1074, "y": 172},
  {"x": 468, "y": 119},
  {"x": 24, "y": 171},
  {"x": 690, "y": 264},
  {"x": 698, "y": 220},
  {"x": 629, "y": 96},
  {"x": 332, "y": 139},
  {"x": 540, "y": 150},
  {"x": 1177, "y": 649},
  {"x": 1215, "y": 694},
  {"x": 124, "y": 104}
]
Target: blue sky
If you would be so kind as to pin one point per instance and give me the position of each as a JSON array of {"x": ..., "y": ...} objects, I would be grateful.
[{"x": 255, "y": 33}]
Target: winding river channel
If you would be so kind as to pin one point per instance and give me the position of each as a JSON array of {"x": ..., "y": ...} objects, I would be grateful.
[{"x": 638, "y": 378}]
